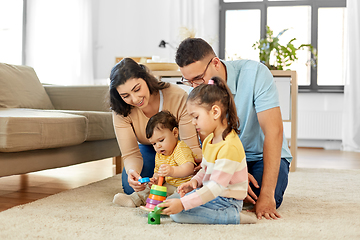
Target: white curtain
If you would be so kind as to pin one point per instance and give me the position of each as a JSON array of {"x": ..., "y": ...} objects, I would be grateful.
[
  {"x": 351, "y": 120},
  {"x": 59, "y": 41},
  {"x": 196, "y": 18}
]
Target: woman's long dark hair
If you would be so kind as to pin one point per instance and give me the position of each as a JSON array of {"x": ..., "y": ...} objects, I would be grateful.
[
  {"x": 128, "y": 69},
  {"x": 218, "y": 93}
]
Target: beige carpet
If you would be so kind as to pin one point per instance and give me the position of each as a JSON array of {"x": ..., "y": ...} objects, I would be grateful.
[{"x": 318, "y": 204}]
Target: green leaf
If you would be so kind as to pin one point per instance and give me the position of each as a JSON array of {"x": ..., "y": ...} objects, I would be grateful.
[{"x": 284, "y": 55}]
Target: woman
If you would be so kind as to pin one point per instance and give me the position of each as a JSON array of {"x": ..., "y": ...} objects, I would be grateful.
[{"x": 135, "y": 96}]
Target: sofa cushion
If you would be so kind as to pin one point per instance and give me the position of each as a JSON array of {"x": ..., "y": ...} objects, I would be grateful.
[
  {"x": 21, "y": 88},
  {"x": 100, "y": 124},
  {"x": 29, "y": 129}
]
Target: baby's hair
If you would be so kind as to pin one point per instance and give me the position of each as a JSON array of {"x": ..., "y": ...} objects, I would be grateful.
[
  {"x": 161, "y": 120},
  {"x": 206, "y": 95}
]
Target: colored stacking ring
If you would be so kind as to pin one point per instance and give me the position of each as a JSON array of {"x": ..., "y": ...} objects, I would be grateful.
[
  {"x": 156, "y": 197},
  {"x": 151, "y": 206},
  {"x": 156, "y": 192},
  {"x": 159, "y": 188},
  {"x": 152, "y": 201},
  {"x": 144, "y": 180}
]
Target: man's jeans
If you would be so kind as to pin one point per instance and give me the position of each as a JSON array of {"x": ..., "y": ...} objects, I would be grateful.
[{"x": 256, "y": 169}]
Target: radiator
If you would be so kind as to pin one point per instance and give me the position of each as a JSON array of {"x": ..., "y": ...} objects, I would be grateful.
[{"x": 322, "y": 125}]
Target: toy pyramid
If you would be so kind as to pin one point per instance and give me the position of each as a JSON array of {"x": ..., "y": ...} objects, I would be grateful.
[{"x": 157, "y": 194}]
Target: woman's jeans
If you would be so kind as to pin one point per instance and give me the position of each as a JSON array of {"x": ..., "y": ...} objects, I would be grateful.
[
  {"x": 220, "y": 210},
  {"x": 148, "y": 154},
  {"x": 256, "y": 168}
]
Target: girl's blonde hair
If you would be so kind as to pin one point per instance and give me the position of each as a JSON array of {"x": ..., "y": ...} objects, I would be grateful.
[{"x": 217, "y": 93}]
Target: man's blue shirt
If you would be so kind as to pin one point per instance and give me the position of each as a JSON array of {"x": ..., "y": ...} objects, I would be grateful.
[{"x": 254, "y": 91}]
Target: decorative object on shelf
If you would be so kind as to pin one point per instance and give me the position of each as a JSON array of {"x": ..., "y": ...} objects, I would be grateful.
[
  {"x": 285, "y": 54},
  {"x": 163, "y": 44},
  {"x": 186, "y": 32}
]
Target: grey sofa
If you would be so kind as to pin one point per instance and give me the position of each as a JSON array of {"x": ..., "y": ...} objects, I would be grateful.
[{"x": 50, "y": 126}]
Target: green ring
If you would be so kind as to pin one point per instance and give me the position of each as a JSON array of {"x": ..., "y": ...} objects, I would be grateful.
[
  {"x": 159, "y": 188},
  {"x": 157, "y": 192},
  {"x": 157, "y": 210}
]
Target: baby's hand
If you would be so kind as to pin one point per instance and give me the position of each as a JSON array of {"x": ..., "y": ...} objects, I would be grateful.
[
  {"x": 165, "y": 170},
  {"x": 153, "y": 180},
  {"x": 187, "y": 187}
]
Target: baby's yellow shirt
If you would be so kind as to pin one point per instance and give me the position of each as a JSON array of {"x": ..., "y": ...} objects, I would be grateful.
[{"x": 181, "y": 154}]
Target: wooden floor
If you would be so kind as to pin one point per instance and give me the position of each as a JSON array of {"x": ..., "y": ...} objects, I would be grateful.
[{"x": 21, "y": 189}]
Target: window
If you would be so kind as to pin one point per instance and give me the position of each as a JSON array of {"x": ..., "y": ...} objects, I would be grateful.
[
  {"x": 11, "y": 31},
  {"x": 318, "y": 22}
]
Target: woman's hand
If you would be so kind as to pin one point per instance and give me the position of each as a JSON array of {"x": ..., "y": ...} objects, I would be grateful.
[
  {"x": 187, "y": 187},
  {"x": 133, "y": 178},
  {"x": 165, "y": 170},
  {"x": 172, "y": 206}
]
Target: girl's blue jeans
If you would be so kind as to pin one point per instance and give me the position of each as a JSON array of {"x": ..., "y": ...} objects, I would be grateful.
[
  {"x": 220, "y": 210},
  {"x": 148, "y": 154}
]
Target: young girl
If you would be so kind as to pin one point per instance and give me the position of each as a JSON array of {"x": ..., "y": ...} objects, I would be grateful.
[{"x": 215, "y": 194}]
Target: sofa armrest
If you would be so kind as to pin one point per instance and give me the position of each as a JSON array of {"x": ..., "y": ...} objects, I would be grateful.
[{"x": 86, "y": 98}]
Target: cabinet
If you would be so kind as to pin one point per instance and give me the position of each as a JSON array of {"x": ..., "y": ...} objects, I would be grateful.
[{"x": 286, "y": 83}]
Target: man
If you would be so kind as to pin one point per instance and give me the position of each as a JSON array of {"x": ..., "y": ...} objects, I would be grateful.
[{"x": 256, "y": 98}]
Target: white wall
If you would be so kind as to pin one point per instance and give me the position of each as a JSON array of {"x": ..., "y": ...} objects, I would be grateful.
[
  {"x": 135, "y": 28},
  {"x": 128, "y": 28}
]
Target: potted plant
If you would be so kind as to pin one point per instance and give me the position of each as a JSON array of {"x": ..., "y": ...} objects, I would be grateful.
[{"x": 285, "y": 55}]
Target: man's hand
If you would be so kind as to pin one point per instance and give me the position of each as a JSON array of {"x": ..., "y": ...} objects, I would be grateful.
[
  {"x": 172, "y": 206},
  {"x": 263, "y": 206},
  {"x": 266, "y": 206},
  {"x": 133, "y": 178},
  {"x": 251, "y": 197}
]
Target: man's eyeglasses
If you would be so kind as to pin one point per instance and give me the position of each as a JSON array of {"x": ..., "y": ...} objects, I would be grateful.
[{"x": 198, "y": 80}]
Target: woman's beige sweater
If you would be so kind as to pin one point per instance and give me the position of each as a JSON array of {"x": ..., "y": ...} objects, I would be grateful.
[{"x": 131, "y": 129}]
